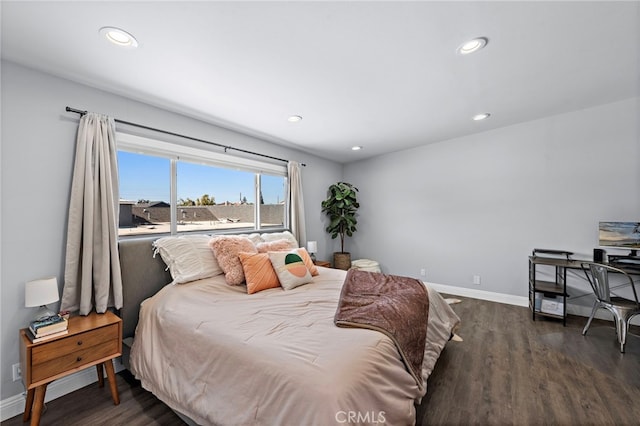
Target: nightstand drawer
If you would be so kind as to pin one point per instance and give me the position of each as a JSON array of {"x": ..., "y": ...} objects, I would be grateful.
[
  {"x": 72, "y": 344},
  {"x": 74, "y": 360},
  {"x": 60, "y": 355}
]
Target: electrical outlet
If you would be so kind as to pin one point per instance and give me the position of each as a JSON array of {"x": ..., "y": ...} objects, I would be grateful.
[
  {"x": 423, "y": 272},
  {"x": 17, "y": 372},
  {"x": 476, "y": 279}
]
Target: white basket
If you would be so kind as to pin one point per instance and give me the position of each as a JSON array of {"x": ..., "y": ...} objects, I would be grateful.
[{"x": 365, "y": 265}]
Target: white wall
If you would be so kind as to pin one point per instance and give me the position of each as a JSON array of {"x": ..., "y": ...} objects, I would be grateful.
[
  {"x": 479, "y": 204},
  {"x": 38, "y": 143}
]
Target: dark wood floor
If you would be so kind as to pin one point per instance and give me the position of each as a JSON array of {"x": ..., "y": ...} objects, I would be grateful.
[
  {"x": 93, "y": 406},
  {"x": 512, "y": 371},
  {"x": 507, "y": 371}
]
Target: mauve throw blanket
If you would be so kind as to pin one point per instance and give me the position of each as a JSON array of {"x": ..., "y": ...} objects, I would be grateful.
[{"x": 394, "y": 305}]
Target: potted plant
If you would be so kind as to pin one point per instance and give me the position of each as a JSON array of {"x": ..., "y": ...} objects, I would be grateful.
[{"x": 341, "y": 206}]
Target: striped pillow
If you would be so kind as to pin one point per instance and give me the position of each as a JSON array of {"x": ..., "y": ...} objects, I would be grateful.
[{"x": 258, "y": 272}]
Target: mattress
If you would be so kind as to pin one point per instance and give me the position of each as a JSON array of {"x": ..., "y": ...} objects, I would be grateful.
[{"x": 223, "y": 357}]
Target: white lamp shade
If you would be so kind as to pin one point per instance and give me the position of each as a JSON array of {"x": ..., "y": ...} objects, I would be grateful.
[
  {"x": 312, "y": 246},
  {"x": 41, "y": 292}
]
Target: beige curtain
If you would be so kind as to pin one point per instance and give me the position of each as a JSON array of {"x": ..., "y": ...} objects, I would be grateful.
[
  {"x": 92, "y": 266},
  {"x": 296, "y": 203}
]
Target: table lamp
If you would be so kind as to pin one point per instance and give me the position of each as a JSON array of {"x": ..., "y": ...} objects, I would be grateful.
[
  {"x": 312, "y": 248},
  {"x": 40, "y": 293}
]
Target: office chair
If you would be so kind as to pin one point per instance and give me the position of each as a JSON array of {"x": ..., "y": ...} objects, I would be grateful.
[{"x": 622, "y": 309}]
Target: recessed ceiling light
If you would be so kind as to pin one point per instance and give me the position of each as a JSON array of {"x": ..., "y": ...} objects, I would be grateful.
[
  {"x": 483, "y": 116},
  {"x": 472, "y": 45},
  {"x": 356, "y": 148},
  {"x": 294, "y": 118},
  {"x": 119, "y": 37}
]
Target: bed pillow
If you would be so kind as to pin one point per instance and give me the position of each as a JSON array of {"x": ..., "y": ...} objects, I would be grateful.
[
  {"x": 286, "y": 235},
  {"x": 254, "y": 237},
  {"x": 304, "y": 254},
  {"x": 188, "y": 257},
  {"x": 258, "y": 272},
  {"x": 226, "y": 249},
  {"x": 290, "y": 268},
  {"x": 275, "y": 245}
]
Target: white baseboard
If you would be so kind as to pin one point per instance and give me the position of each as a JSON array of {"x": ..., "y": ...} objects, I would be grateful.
[
  {"x": 580, "y": 310},
  {"x": 480, "y": 294},
  {"x": 14, "y": 405}
]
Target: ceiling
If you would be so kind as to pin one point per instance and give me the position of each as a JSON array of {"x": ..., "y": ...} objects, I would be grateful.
[{"x": 383, "y": 75}]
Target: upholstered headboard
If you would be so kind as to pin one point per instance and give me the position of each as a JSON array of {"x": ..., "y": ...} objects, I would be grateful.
[{"x": 142, "y": 277}]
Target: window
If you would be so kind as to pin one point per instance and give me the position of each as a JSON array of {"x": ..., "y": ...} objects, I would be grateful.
[
  {"x": 272, "y": 201},
  {"x": 168, "y": 188}
]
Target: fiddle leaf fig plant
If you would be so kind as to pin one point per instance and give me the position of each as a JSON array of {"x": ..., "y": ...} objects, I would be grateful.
[{"x": 341, "y": 206}]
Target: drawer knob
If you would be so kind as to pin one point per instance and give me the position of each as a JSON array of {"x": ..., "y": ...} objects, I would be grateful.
[
  {"x": 79, "y": 342},
  {"x": 79, "y": 359}
]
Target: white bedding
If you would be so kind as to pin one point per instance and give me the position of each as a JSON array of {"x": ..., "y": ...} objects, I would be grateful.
[{"x": 222, "y": 357}]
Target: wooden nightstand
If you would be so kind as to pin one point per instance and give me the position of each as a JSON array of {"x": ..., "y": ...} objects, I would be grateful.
[
  {"x": 323, "y": 263},
  {"x": 94, "y": 339}
]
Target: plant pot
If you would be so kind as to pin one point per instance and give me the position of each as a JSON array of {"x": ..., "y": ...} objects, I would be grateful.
[{"x": 342, "y": 260}]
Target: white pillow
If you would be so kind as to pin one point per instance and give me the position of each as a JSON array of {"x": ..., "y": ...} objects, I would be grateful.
[
  {"x": 255, "y": 237},
  {"x": 188, "y": 257},
  {"x": 286, "y": 235}
]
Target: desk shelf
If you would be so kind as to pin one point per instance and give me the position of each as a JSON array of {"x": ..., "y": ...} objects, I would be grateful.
[
  {"x": 549, "y": 287},
  {"x": 549, "y": 298}
]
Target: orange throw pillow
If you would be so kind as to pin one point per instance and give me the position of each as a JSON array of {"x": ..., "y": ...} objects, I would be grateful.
[
  {"x": 304, "y": 254},
  {"x": 258, "y": 272}
]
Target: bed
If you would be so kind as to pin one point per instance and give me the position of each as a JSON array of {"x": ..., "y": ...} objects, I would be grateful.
[{"x": 221, "y": 356}]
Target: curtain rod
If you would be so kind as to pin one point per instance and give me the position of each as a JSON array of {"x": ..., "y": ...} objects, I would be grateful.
[{"x": 226, "y": 147}]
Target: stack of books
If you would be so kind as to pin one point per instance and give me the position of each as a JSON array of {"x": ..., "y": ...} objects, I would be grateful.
[{"x": 48, "y": 328}]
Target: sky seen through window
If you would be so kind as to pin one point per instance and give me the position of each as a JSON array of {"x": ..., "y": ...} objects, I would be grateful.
[{"x": 146, "y": 177}]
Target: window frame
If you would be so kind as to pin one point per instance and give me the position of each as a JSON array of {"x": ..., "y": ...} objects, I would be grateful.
[{"x": 176, "y": 152}]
